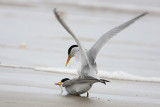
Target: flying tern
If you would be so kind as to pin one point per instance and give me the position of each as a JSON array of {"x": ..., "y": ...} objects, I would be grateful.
[{"x": 88, "y": 66}]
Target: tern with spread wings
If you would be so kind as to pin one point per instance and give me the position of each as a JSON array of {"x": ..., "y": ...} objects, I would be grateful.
[{"x": 86, "y": 58}]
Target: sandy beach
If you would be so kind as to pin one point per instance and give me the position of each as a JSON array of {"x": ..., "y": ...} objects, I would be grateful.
[{"x": 29, "y": 88}]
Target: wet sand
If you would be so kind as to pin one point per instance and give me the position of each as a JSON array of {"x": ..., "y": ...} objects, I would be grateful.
[{"x": 29, "y": 88}]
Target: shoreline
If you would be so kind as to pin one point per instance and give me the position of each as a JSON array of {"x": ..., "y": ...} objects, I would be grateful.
[
  {"x": 19, "y": 87},
  {"x": 101, "y": 74}
]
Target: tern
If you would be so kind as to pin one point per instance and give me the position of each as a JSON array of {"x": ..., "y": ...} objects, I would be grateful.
[
  {"x": 77, "y": 86},
  {"x": 86, "y": 58}
]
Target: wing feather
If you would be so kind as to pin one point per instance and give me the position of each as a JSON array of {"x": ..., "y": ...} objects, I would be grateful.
[
  {"x": 72, "y": 34},
  {"x": 102, "y": 41}
]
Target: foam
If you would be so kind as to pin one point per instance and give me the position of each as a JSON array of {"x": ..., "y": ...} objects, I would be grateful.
[
  {"x": 121, "y": 75},
  {"x": 104, "y": 74}
]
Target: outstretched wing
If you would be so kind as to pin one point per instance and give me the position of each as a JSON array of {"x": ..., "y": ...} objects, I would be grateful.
[
  {"x": 102, "y": 41},
  {"x": 71, "y": 33}
]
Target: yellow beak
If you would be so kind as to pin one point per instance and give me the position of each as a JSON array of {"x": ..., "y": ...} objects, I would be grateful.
[
  {"x": 68, "y": 59},
  {"x": 58, "y": 83}
]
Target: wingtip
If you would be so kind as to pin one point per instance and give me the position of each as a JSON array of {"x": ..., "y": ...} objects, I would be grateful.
[
  {"x": 144, "y": 13},
  {"x": 55, "y": 10},
  {"x": 56, "y": 13},
  {"x": 104, "y": 81}
]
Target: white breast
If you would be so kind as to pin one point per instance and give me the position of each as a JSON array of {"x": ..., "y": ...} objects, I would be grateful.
[
  {"x": 84, "y": 70},
  {"x": 78, "y": 88}
]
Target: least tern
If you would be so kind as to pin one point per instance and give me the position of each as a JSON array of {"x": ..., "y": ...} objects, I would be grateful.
[
  {"x": 77, "y": 86},
  {"x": 86, "y": 58}
]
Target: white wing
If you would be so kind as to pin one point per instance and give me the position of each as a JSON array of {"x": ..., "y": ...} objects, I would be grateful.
[
  {"x": 102, "y": 41},
  {"x": 74, "y": 37}
]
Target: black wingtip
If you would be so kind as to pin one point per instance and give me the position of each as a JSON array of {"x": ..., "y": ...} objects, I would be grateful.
[
  {"x": 55, "y": 10},
  {"x": 141, "y": 15},
  {"x": 104, "y": 81},
  {"x": 145, "y": 13}
]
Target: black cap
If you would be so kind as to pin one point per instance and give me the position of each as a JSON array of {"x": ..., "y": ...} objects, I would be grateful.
[
  {"x": 69, "y": 50},
  {"x": 65, "y": 79}
]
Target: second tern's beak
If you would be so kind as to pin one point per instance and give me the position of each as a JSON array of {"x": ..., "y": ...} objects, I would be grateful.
[
  {"x": 58, "y": 83},
  {"x": 69, "y": 57}
]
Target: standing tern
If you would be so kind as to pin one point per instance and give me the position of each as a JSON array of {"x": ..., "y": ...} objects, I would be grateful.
[{"x": 88, "y": 68}]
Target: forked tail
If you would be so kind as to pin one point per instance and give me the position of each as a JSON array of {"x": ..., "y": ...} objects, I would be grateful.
[{"x": 104, "y": 81}]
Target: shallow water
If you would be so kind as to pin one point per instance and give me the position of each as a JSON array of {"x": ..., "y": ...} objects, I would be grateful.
[{"x": 31, "y": 36}]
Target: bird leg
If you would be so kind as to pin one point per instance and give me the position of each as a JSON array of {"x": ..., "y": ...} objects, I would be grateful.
[
  {"x": 76, "y": 94},
  {"x": 87, "y": 94}
]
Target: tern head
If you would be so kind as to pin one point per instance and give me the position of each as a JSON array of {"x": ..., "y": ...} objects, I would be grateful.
[
  {"x": 62, "y": 81},
  {"x": 72, "y": 52}
]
